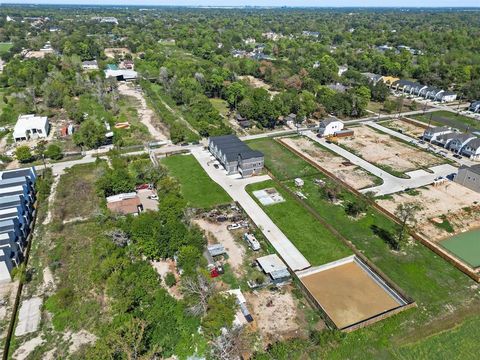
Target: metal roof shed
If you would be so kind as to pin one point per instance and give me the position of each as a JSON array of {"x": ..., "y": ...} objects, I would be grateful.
[
  {"x": 273, "y": 266},
  {"x": 216, "y": 249}
]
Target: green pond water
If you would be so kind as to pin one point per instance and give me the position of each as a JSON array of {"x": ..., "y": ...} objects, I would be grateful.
[{"x": 466, "y": 246}]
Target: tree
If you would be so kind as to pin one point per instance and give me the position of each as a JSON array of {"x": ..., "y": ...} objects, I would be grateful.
[
  {"x": 220, "y": 314},
  {"x": 406, "y": 213},
  {"x": 91, "y": 134},
  {"x": 23, "y": 154},
  {"x": 198, "y": 291},
  {"x": 54, "y": 152},
  {"x": 115, "y": 181},
  {"x": 188, "y": 259},
  {"x": 234, "y": 93},
  {"x": 40, "y": 151},
  {"x": 231, "y": 344}
]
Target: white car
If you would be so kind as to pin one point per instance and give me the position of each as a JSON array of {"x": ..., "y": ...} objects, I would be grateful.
[{"x": 152, "y": 197}]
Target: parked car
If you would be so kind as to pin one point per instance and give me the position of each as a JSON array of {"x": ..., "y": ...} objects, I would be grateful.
[
  {"x": 215, "y": 166},
  {"x": 152, "y": 197},
  {"x": 234, "y": 226},
  {"x": 458, "y": 156}
]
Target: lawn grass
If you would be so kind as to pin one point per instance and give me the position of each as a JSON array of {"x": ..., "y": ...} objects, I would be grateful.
[
  {"x": 197, "y": 187},
  {"x": 4, "y": 47},
  {"x": 432, "y": 282},
  {"x": 282, "y": 162},
  {"x": 138, "y": 133},
  {"x": 318, "y": 244},
  {"x": 447, "y": 118},
  {"x": 220, "y": 105}
]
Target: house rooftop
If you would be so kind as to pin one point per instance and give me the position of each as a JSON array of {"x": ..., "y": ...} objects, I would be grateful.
[
  {"x": 232, "y": 147},
  {"x": 474, "y": 168},
  {"x": 27, "y": 122},
  {"x": 329, "y": 120},
  {"x": 474, "y": 144}
]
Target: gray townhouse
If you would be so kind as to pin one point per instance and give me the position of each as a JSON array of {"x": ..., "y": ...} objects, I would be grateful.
[
  {"x": 469, "y": 176},
  {"x": 472, "y": 149},
  {"x": 457, "y": 144},
  {"x": 433, "y": 132},
  {"x": 17, "y": 198},
  {"x": 235, "y": 156}
]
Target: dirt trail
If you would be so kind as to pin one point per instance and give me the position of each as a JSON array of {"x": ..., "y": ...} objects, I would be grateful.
[{"x": 144, "y": 112}]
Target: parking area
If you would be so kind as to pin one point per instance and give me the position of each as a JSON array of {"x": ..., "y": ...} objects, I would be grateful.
[{"x": 148, "y": 198}]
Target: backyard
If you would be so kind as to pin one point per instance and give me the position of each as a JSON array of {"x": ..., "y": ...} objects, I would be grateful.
[{"x": 197, "y": 187}]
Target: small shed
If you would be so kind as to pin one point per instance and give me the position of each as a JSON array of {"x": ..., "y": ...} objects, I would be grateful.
[
  {"x": 299, "y": 182},
  {"x": 274, "y": 267},
  {"x": 216, "y": 250},
  {"x": 252, "y": 241}
]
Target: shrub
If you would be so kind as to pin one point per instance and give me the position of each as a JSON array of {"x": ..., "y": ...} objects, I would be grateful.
[
  {"x": 170, "y": 279},
  {"x": 54, "y": 152},
  {"x": 23, "y": 154}
]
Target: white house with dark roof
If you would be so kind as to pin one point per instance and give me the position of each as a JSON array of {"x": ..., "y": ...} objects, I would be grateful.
[
  {"x": 472, "y": 149},
  {"x": 457, "y": 143},
  {"x": 330, "y": 126},
  {"x": 445, "y": 139},
  {"x": 446, "y": 96},
  {"x": 431, "y": 133}
]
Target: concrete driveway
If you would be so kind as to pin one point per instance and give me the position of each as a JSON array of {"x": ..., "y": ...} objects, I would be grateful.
[
  {"x": 391, "y": 184},
  {"x": 234, "y": 185}
]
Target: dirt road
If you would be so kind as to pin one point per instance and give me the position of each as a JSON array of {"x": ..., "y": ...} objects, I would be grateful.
[{"x": 145, "y": 114}]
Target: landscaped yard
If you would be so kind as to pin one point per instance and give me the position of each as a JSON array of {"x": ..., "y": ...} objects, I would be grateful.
[
  {"x": 315, "y": 241},
  {"x": 447, "y": 118},
  {"x": 4, "y": 47},
  {"x": 197, "y": 187},
  {"x": 433, "y": 283}
]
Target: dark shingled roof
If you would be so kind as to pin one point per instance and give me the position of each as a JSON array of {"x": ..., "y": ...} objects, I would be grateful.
[
  {"x": 474, "y": 168},
  {"x": 233, "y": 147}
]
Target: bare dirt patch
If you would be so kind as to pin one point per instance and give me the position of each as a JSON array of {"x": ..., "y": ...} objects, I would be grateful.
[
  {"x": 146, "y": 115},
  {"x": 258, "y": 83},
  {"x": 163, "y": 267},
  {"x": 275, "y": 314},
  {"x": 342, "y": 169},
  {"x": 382, "y": 149},
  {"x": 29, "y": 316},
  {"x": 405, "y": 127},
  {"x": 27, "y": 348},
  {"x": 457, "y": 204},
  {"x": 218, "y": 233},
  {"x": 78, "y": 339}
]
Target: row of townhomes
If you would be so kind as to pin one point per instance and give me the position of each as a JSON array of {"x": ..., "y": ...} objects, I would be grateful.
[
  {"x": 474, "y": 106},
  {"x": 466, "y": 144},
  {"x": 235, "y": 156},
  {"x": 17, "y": 198},
  {"x": 412, "y": 88}
]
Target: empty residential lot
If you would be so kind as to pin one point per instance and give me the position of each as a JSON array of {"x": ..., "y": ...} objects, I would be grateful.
[
  {"x": 451, "y": 201},
  {"x": 349, "y": 173},
  {"x": 383, "y": 150},
  {"x": 405, "y": 127}
]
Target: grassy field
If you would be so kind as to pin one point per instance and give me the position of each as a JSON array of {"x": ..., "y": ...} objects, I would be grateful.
[
  {"x": 220, "y": 105},
  {"x": 447, "y": 118},
  {"x": 433, "y": 283},
  {"x": 138, "y": 133},
  {"x": 197, "y": 187},
  {"x": 440, "y": 345},
  {"x": 4, "y": 47},
  {"x": 314, "y": 241},
  {"x": 76, "y": 195},
  {"x": 466, "y": 246},
  {"x": 281, "y": 161}
]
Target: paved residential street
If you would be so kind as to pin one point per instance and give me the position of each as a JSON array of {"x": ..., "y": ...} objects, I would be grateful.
[
  {"x": 235, "y": 187},
  {"x": 391, "y": 184}
]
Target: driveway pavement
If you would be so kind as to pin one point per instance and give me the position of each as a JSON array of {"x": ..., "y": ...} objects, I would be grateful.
[
  {"x": 234, "y": 185},
  {"x": 391, "y": 184}
]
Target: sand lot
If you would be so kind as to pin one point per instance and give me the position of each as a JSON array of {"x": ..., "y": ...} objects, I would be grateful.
[
  {"x": 218, "y": 233},
  {"x": 342, "y": 169},
  {"x": 461, "y": 206},
  {"x": 266, "y": 305},
  {"x": 348, "y": 294},
  {"x": 382, "y": 149},
  {"x": 406, "y": 127}
]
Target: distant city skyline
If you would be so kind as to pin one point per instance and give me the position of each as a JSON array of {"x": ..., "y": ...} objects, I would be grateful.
[{"x": 276, "y": 3}]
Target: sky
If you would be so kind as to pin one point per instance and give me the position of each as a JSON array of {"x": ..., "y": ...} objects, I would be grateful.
[{"x": 309, "y": 3}]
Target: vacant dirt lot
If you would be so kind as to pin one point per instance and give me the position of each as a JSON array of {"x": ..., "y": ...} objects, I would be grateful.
[
  {"x": 381, "y": 149},
  {"x": 258, "y": 83},
  {"x": 406, "y": 127},
  {"x": 345, "y": 171},
  {"x": 459, "y": 205},
  {"x": 217, "y": 233},
  {"x": 275, "y": 314}
]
